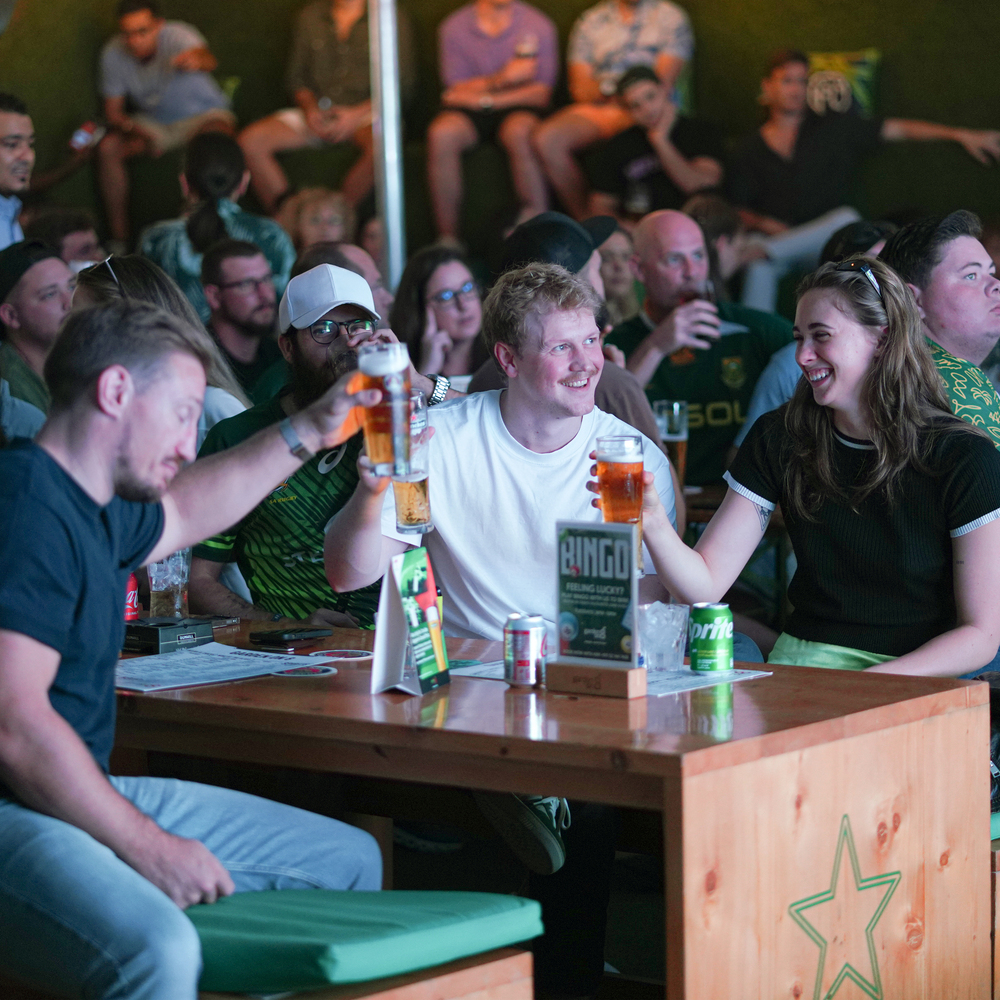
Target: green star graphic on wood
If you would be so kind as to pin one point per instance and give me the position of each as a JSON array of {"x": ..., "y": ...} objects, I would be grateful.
[{"x": 872, "y": 986}]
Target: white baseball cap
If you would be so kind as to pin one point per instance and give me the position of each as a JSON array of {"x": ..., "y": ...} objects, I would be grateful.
[{"x": 312, "y": 294}]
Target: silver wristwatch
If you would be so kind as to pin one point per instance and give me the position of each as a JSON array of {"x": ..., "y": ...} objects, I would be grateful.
[
  {"x": 441, "y": 386},
  {"x": 295, "y": 445}
]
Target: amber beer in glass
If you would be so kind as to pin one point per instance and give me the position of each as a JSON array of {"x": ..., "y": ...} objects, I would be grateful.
[
  {"x": 672, "y": 421},
  {"x": 413, "y": 502},
  {"x": 387, "y": 424},
  {"x": 619, "y": 478}
]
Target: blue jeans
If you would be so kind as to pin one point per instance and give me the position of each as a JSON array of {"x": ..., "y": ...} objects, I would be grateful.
[{"x": 77, "y": 920}]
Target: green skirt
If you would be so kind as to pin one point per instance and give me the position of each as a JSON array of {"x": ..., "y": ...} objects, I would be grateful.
[{"x": 803, "y": 653}]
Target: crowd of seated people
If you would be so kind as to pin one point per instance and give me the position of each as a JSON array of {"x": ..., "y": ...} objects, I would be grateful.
[{"x": 196, "y": 393}]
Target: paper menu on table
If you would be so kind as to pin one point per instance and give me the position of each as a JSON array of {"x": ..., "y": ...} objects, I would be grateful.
[{"x": 213, "y": 663}]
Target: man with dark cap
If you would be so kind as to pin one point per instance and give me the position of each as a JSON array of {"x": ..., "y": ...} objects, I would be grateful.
[
  {"x": 858, "y": 237},
  {"x": 36, "y": 291},
  {"x": 554, "y": 238}
]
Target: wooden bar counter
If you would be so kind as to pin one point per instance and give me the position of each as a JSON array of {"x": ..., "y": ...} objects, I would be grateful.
[{"x": 828, "y": 837}]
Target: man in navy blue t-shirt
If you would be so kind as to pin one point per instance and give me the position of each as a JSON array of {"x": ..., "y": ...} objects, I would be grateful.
[{"x": 96, "y": 870}]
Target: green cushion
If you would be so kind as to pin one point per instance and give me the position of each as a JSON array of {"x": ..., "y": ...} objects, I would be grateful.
[
  {"x": 298, "y": 938},
  {"x": 994, "y": 825}
]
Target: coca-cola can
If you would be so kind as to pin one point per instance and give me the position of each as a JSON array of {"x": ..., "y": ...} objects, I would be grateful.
[
  {"x": 132, "y": 598},
  {"x": 524, "y": 650}
]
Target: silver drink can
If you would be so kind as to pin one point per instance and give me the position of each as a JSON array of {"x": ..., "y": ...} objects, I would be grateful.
[{"x": 524, "y": 649}]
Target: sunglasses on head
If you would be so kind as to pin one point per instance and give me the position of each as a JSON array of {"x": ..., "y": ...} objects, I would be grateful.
[{"x": 865, "y": 269}]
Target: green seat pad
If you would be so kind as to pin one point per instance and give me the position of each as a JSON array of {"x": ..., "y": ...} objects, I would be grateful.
[
  {"x": 299, "y": 938},
  {"x": 994, "y": 825}
]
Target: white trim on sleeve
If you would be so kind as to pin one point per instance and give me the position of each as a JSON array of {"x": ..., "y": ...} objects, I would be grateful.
[
  {"x": 978, "y": 523},
  {"x": 753, "y": 498}
]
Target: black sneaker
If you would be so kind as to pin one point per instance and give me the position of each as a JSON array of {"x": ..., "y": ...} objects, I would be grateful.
[{"x": 530, "y": 825}]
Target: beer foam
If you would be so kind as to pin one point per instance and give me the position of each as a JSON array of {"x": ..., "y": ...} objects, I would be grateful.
[
  {"x": 617, "y": 458},
  {"x": 380, "y": 363}
]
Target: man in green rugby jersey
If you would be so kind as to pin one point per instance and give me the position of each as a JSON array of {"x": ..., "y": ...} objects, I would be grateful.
[
  {"x": 279, "y": 544},
  {"x": 955, "y": 283}
]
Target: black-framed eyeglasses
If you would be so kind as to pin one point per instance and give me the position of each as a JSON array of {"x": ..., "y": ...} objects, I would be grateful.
[
  {"x": 447, "y": 295},
  {"x": 865, "y": 269},
  {"x": 326, "y": 330},
  {"x": 247, "y": 285}
]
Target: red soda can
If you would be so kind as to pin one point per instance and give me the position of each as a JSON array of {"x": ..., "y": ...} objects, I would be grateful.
[
  {"x": 132, "y": 598},
  {"x": 524, "y": 650}
]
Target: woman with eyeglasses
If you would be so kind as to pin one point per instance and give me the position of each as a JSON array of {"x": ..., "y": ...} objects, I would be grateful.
[
  {"x": 892, "y": 503},
  {"x": 438, "y": 314}
]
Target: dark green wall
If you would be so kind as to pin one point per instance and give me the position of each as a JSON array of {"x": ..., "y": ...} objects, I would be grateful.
[{"x": 939, "y": 62}]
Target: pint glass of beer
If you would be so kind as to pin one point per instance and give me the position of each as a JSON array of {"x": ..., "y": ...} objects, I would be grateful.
[
  {"x": 387, "y": 424},
  {"x": 619, "y": 482},
  {"x": 619, "y": 478},
  {"x": 672, "y": 420},
  {"x": 413, "y": 502}
]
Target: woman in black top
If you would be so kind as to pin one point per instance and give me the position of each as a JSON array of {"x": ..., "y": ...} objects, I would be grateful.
[{"x": 892, "y": 503}]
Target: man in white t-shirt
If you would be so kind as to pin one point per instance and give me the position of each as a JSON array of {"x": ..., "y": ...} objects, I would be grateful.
[{"x": 505, "y": 465}]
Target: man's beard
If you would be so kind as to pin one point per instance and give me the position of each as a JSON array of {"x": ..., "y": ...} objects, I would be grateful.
[
  {"x": 130, "y": 487},
  {"x": 309, "y": 383},
  {"x": 250, "y": 327}
]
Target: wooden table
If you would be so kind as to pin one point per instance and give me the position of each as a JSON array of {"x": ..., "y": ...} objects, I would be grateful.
[{"x": 837, "y": 844}]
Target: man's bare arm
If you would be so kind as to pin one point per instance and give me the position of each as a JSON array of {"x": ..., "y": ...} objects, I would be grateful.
[
  {"x": 215, "y": 492},
  {"x": 50, "y": 769},
  {"x": 758, "y": 223},
  {"x": 689, "y": 175},
  {"x": 356, "y": 553},
  {"x": 207, "y": 595},
  {"x": 197, "y": 59},
  {"x": 981, "y": 144}
]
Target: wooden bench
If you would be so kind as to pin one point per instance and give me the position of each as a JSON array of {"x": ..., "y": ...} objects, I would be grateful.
[{"x": 503, "y": 974}]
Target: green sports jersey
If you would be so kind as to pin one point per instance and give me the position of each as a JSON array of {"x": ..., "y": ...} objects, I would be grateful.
[
  {"x": 972, "y": 395},
  {"x": 717, "y": 383},
  {"x": 279, "y": 544}
]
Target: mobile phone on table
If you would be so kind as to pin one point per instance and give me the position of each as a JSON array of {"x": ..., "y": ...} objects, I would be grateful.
[{"x": 281, "y": 636}]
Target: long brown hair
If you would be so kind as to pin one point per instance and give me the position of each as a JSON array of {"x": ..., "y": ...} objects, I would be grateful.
[
  {"x": 138, "y": 279},
  {"x": 902, "y": 392}
]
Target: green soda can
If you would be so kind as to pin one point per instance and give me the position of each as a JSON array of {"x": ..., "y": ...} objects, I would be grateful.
[{"x": 711, "y": 632}]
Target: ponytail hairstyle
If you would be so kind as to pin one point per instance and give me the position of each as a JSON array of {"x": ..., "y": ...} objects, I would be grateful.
[
  {"x": 213, "y": 167},
  {"x": 902, "y": 391}
]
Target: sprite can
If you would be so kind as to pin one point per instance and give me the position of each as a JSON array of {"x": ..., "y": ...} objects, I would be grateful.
[{"x": 711, "y": 632}]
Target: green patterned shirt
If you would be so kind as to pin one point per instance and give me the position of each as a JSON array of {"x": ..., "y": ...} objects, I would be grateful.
[
  {"x": 972, "y": 395},
  {"x": 279, "y": 544},
  {"x": 24, "y": 382},
  {"x": 166, "y": 243}
]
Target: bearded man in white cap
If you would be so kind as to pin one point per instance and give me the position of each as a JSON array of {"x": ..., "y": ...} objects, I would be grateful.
[{"x": 324, "y": 315}]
